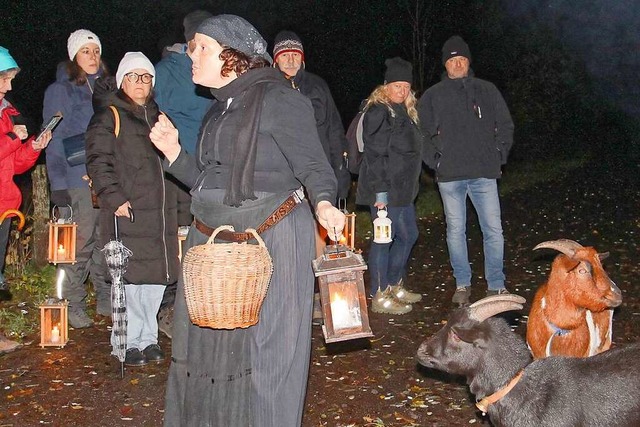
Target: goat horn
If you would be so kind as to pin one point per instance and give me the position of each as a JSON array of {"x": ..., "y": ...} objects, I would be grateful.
[
  {"x": 490, "y": 306},
  {"x": 566, "y": 246}
]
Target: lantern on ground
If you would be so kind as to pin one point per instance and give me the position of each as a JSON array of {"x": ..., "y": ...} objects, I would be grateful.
[
  {"x": 62, "y": 236},
  {"x": 344, "y": 305},
  {"x": 382, "y": 228},
  {"x": 54, "y": 329},
  {"x": 349, "y": 232}
]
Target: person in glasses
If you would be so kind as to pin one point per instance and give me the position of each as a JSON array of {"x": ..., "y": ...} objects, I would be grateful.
[
  {"x": 130, "y": 183},
  {"x": 71, "y": 95}
]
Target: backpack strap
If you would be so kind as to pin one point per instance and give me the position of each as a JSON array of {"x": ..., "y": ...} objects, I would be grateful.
[{"x": 116, "y": 120}]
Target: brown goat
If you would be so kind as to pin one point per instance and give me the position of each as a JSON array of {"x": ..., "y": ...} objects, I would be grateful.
[{"x": 571, "y": 314}]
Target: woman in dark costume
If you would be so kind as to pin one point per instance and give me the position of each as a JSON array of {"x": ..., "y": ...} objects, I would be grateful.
[{"x": 258, "y": 146}]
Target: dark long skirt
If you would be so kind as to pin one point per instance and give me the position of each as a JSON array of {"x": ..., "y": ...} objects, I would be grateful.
[{"x": 255, "y": 376}]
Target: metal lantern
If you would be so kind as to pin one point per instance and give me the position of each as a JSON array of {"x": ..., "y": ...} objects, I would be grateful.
[
  {"x": 62, "y": 236},
  {"x": 382, "y": 228},
  {"x": 54, "y": 327},
  {"x": 344, "y": 304},
  {"x": 349, "y": 232}
]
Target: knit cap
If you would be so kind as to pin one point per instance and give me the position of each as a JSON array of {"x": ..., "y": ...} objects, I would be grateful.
[
  {"x": 191, "y": 22},
  {"x": 455, "y": 46},
  {"x": 398, "y": 70},
  {"x": 6, "y": 60},
  {"x": 79, "y": 38},
  {"x": 131, "y": 61},
  {"x": 235, "y": 32},
  {"x": 287, "y": 41}
]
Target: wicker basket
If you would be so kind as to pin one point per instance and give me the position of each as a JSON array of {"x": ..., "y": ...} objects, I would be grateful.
[{"x": 225, "y": 283}]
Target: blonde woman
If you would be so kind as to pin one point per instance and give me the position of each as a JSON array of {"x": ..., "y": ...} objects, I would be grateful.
[{"x": 389, "y": 179}]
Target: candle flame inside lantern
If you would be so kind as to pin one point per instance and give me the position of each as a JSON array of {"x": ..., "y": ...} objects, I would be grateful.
[{"x": 61, "y": 250}]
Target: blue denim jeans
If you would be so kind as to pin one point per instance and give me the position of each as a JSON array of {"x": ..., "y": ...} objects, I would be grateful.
[
  {"x": 483, "y": 193},
  {"x": 388, "y": 261}
]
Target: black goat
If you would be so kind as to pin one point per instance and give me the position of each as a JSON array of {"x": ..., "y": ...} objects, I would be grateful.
[{"x": 598, "y": 391}]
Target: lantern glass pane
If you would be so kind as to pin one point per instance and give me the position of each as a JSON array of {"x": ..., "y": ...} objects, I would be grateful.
[{"x": 345, "y": 305}]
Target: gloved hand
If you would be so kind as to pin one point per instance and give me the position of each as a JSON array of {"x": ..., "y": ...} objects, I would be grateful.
[{"x": 60, "y": 198}]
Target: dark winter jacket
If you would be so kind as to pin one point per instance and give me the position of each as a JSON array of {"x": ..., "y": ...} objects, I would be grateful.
[
  {"x": 129, "y": 168},
  {"x": 468, "y": 129},
  {"x": 74, "y": 102},
  {"x": 392, "y": 156},
  {"x": 16, "y": 157},
  {"x": 328, "y": 123},
  {"x": 179, "y": 97},
  {"x": 288, "y": 150}
]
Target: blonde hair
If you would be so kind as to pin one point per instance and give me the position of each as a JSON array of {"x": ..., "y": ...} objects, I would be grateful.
[{"x": 379, "y": 96}]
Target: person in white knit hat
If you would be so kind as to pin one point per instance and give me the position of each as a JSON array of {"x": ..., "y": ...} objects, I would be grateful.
[
  {"x": 129, "y": 181},
  {"x": 71, "y": 95}
]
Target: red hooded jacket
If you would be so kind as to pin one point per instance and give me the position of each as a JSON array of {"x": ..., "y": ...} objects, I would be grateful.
[{"x": 16, "y": 157}]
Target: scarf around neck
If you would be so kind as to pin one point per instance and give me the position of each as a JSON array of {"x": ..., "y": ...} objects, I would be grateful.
[{"x": 250, "y": 87}]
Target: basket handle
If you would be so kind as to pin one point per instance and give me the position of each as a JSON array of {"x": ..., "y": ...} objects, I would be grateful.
[{"x": 231, "y": 229}]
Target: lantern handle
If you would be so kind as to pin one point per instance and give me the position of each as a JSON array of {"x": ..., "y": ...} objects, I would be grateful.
[
  {"x": 54, "y": 218},
  {"x": 342, "y": 205}
]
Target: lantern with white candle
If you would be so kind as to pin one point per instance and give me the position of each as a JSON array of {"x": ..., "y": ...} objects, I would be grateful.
[
  {"x": 62, "y": 236},
  {"x": 54, "y": 329},
  {"x": 344, "y": 305}
]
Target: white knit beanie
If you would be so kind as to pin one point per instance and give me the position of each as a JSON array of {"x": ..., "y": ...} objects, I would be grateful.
[
  {"x": 131, "y": 61},
  {"x": 79, "y": 38}
]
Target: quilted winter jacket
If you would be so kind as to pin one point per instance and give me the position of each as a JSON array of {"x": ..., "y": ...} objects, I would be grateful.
[{"x": 128, "y": 168}]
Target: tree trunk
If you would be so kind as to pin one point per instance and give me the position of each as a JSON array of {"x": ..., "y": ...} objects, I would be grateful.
[{"x": 40, "y": 196}]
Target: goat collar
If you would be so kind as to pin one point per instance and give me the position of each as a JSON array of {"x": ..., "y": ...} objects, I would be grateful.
[
  {"x": 557, "y": 332},
  {"x": 483, "y": 405}
]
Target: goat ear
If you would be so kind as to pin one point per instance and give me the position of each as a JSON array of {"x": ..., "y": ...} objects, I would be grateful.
[
  {"x": 603, "y": 255},
  {"x": 463, "y": 334}
]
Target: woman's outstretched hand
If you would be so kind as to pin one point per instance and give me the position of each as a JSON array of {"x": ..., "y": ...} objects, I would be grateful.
[
  {"x": 164, "y": 136},
  {"x": 331, "y": 218}
]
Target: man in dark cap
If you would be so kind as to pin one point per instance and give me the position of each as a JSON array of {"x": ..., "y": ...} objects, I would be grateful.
[
  {"x": 468, "y": 134},
  {"x": 186, "y": 104},
  {"x": 288, "y": 57}
]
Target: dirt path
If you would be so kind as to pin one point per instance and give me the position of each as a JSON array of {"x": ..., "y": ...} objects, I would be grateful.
[{"x": 360, "y": 383}]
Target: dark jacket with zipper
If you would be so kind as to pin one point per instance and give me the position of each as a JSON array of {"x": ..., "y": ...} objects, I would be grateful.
[
  {"x": 468, "y": 129},
  {"x": 392, "y": 159},
  {"x": 328, "y": 123},
  {"x": 129, "y": 168}
]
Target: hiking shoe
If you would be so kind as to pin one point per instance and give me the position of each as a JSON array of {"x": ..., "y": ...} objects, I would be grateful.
[
  {"x": 78, "y": 318},
  {"x": 165, "y": 321},
  {"x": 317, "y": 311},
  {"x": 7, "y": 346},
  {"x": 461, "y": 295},
  {"x": 404, "y": 295},
  {"x": 134, "y": 357},
  {"x": 385, "y": 302},
  {"x": 500, "y": 291},
  {"x": 153, "y": 353}
]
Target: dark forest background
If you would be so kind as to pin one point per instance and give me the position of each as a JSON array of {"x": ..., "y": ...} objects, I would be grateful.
[{"x": 558, "y": 112}]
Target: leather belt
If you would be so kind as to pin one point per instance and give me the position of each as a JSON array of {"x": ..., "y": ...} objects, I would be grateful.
[{"x": 276, "y": 216}]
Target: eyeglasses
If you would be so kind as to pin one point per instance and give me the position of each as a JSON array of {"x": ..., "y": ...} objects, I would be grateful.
[{"x": 146, "y": 78}]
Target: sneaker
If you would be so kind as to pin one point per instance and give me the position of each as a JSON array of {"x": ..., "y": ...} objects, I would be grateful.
[
  {"x": 104, "y": 310},
  {"x": 317, "y": 311},
  {"x": 78, "y": 318},
  {"x": 134, "y": 357},
  {"x": 500, "y": 291},
  {"x": 153, "y": 353},
  {"x": 165, "y": 321},
  {"x": 404, "y": 295},
  {"x": 7, "y": 345},
  {"x": 461, "y": 295},
  {"x": 385, "y": 302}
]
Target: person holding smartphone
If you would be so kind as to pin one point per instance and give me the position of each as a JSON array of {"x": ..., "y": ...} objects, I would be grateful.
[{"x": 18, "y": 153}]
